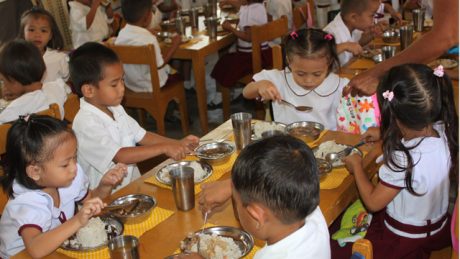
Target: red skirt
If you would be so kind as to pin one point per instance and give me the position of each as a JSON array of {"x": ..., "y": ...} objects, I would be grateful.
[
  {"x": 387, "y": 244},
  {"x": 233, "y": 66}
]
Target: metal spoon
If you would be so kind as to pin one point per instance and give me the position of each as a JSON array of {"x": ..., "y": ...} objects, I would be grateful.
[
  {"x": 332, "y": 157},
  {"x": 299, "y": 108}
]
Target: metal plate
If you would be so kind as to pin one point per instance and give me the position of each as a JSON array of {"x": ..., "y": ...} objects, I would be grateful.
[
  {"x": 273, "y": 125},
  {"x": 163, "y": 174},
  {"x": 338, "y": 163}
]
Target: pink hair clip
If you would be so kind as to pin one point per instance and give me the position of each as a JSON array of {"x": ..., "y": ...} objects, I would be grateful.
[
  {"x": 439, "y": 71},
  {"x": 388, "y": 95},
  {"x": 328, "y": 36},
  {"x": 294, "y": 35}
]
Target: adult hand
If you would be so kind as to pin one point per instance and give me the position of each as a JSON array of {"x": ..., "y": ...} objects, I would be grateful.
[{"x": 364, "y": 83}]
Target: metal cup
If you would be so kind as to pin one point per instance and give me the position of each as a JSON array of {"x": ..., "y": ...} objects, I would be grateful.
[
  {"x": 211, "y": 27},
  {"x": 388, "y": 51},
  {"x": 180, "y": 25},
  {"x": 124, "y": 247},
  {"x": 405, "y": 35},
  {"x": 213, "y": 4},
  {"x": 241, "y": 129},
  {"x": 418, "y": 16},
  {"x": 183, "y": 187},
  {"x": 194, "y": 17}
]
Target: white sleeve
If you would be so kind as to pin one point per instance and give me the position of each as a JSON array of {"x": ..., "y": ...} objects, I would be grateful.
[
  {"x": 30, "y": 209},
  {"x": 393, "y": 179},
  {"x": 135, "y": 128},
  {"x": 257, "y": 16},
  {"x": 25, "y": 104},
  {"x": 77, "y": 19}
]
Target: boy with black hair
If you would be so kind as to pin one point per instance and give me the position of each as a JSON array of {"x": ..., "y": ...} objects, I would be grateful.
[
  {"x": 354, "y": 27},
  {"x": 106, "y": 133}
]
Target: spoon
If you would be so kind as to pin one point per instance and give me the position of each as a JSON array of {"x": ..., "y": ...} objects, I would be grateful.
[
  {"x": 299, "y": 108},
  {"x": 332, "y": 157},
  {"x": 130, "y": 205}
]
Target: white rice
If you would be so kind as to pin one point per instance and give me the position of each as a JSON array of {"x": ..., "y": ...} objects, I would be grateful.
[
  {"x": 329, "y": 147},
  {"x": 217, "y": 247},
  {"x": 93, "y": 234},
  {"x": 198, "y": 172},
  {"x": 262, "y": 126}
]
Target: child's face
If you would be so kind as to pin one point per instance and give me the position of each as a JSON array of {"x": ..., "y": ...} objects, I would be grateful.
[
  {"x": 11, "y": 89},
  {"x": 308, "y": 73},
  {"x": 111, "y": 88},
  {"x": 365, "y": 20},
  {"x": 61, "y": 169},
  {"x": 38, "y": 31}
]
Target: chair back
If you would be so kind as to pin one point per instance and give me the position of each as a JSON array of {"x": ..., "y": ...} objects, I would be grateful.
[
  {"x": 71, "y": 107},
  {"x": 52, "y": 111},
  {"x": 300, "y": 15}
]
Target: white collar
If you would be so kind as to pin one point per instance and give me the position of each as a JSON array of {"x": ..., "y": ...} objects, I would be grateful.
[{"x": 84, "y": 105}]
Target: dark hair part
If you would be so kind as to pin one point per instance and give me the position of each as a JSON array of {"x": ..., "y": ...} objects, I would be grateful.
[
  {"x": 281, "y": 173},
  {"x": 29, "y": 141},
  {"x": 87, "y": 64},
  {"x": 134, "y": 10},
  {"x": 354, "y": 6},
  {"x": 56, "y": 41},
  {"x": 313, "y": 43},
  {"x": 22, "y": 61},
  {"x": 420, "y": 99}
]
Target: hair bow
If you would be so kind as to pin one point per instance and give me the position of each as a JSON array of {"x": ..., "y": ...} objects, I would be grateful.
[
  {"x": 439, "y": 71},
  {"x": 294, "y": 35},
  {"x": 388, "y": 95},
  {"x": 328, "y": 36}
]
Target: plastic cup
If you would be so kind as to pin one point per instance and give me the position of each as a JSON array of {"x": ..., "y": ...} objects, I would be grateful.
[
  {"x": 241, "y": 123},
  {"x": 183, "y": 187}
]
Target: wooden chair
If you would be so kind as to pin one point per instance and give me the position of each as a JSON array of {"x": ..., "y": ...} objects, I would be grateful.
[
  {"x": 259, "y": 34},
  {"x": 71, "y": 108},
  {"x": 299, "y": 14},
  {"x": 157, "y": 101}
]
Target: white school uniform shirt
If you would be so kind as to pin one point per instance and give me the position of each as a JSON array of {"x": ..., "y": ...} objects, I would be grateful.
[
  {"x": 57, "y": 65},
  {"x": 324, "y": 108},
  {"x": 278, "y": 8},
  {"x": 36, "y": 101},
  {"x": 99, "y": 29},
  {"x": 252, "y": 14},
  {"x": 137, "y": 77},
  {"x": 341, "y": 35},
  {"x": 35, "y": 208},
  {"x": 309, "y": 241},
  {"x": 430, "y": 178},
  {"x": 100, "y": 138}
]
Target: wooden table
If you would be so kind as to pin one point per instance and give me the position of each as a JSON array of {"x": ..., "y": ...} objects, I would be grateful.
[{"x": 164, "y": 239}]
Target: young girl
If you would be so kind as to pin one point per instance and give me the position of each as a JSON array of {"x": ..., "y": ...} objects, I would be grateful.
[
  {"x": 21, "y": 71},
  {"x": 308, "y": 80},
  {"x": 419, "y": 131},
  {"x": 44, "y": 181},
  {"x": 39, "y": 27}
]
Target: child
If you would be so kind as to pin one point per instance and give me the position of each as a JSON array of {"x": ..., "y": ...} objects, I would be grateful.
[
  {"x": 39, "y": 27},
  {"x": 354, "y": 27},
  {"x": 308, "y": 80},
  {"x": 21, "y": 71},
  {"x": 44, "y": 182},
  {"x": 106, "y": 133},
  {"x": 420, "y": 150},
  {"x": 275, "y": 190},
  {"x": 89, "y": 21}
]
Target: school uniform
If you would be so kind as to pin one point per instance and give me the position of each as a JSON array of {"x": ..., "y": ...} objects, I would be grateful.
[
  {"x": 278, "y": 8},
  {"x": 35, "y": 208},
  {"x": 36, "y": 101},
  {"x": 324, "y": 99},
  {"x": 100, "y": 138},
  {"x": 137, "y": 77},
  {"x": 309, "y": 241},
  {"x": 341, "y": 35},
  {"x": 57, "y": 65},
  {"x": 99, "y": 29},
  {"x": 234, "y": 66}
]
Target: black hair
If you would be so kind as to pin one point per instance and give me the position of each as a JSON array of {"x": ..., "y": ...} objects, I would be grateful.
[
  {"x": 87, "y": 64},
  {"x": 420, "y": 99},
  {"x": 353, "y": 6},
  {"x": 28, "y": 143},
  {"x": 134, "y": 10},
  {"x": 312, "y": 43},
  {"x": 21, "y": 61},
  {"x": 56, "y": 41},
  {"x": 281, "y": 173}
]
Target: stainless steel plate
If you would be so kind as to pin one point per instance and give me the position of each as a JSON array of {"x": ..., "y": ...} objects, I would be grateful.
[
  {"x": 163, "y": 174},
  {"x": 337, "y": 163}
]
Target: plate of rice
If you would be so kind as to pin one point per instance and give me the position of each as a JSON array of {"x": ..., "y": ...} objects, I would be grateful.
[
  {"x": 201, "y": 171},
  {"x": 219, "y": 243},
  {"x": 332, "y": 147},
  {"x": 447, "y": 63},
  {"x": 260, "y": 127},
  {"x": 95, "y": 235}
]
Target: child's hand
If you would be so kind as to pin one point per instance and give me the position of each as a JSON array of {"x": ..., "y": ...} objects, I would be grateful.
[
  {"x": 371, "y": 135},
  {"x": 191, "y": 142},
  {"x": 352, "y": 162},
  {"x": 268, "y": 91},
  {"x": 354, "y": 47},
  {"x": 90, "y": 208},
  {"x": 214, "y": 194},
  {"x": 397, "y": 16},
  {"x": 175, "y": 149},
  {"x": 379, "y": 28},
  {"x": 176, "y": 40},
  {"x": 115, "y": 175},
  {"x": 227, "y": 26}
]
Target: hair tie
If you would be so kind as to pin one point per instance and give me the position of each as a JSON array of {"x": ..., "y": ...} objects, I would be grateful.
[
  {"x": 388, "y": 95},
  {"x": 294, "y": 35},
  {"x": 328, "y": 36},
  {"x": 439, "y": 71}
]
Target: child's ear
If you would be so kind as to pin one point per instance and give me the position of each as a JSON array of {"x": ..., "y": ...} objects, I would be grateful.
[
  {"x": 258, "y": 213},
  {"x": 87, "y": 90},
  {"x": 33, "y": 171}
]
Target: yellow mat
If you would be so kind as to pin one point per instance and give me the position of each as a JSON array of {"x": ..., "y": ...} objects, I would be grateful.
[
  {"x": 158, "y": 215},
  {"x": 334, "y": 179},
  {"x": 361, "y": 63}
]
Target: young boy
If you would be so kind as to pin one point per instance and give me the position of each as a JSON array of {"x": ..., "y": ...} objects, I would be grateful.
[
  {"x": 354, "y": 27},
  {"x": 106, "y": 133},
  {"x": 89, "y": 21},
  {"x": 275, "y": 189}
]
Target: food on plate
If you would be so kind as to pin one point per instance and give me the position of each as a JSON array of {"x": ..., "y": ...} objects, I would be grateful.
[
  {"x": 330, "y": 147},
  {"x": 95, "y": 234},
  {"x": 199, "y": 172},
  {"x": 212, "y": 246},
  {"x": 447, "y": 63},
  {"x": 263, "y": 126}
]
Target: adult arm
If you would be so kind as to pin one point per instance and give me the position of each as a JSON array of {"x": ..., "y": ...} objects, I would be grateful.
[{"x": 92, "y": 13}]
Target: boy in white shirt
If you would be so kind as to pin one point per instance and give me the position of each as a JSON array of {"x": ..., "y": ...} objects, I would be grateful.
[
  {"x": 89, "y": 21},
  {"x": 354, "y": 27},
  {"x": 106, "y": 134}
]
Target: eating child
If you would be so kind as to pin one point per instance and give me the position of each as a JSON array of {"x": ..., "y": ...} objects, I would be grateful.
[
  {"x": 419, "y": 132},
  {"x": 89, "y": 21},
  {"x": 39, "y": 27},
  {"x": 106, "y": 133},
  {"x": 21, "y": 71},
  {"x": 308, "y": 80},
  {"x": 44, "y": 181}
]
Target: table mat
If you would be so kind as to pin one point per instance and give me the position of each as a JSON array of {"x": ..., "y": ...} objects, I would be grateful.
[
  {"x": 313, "y": 144},
  {"x": 361, "y": 63},
  {"x": 157, "y": 216}
]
